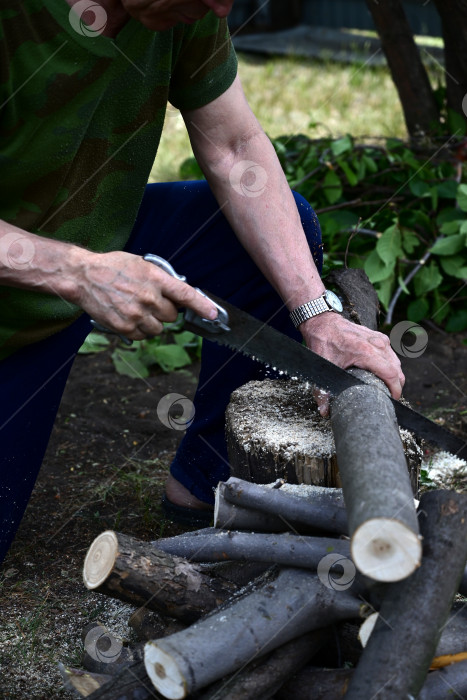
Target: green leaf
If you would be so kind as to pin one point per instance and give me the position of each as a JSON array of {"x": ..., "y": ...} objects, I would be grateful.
[
  {"x": 417, "y": 310},
  {"x": 402, "y": 285},
  {"x": 171, "y": 357},
  {"x": 441, "y": 307},
  {"x": 349, "y": 173},
  {"x": 457, "y": 322},
  {"x": 334, "y": 221},
  {"x": 462, "y": 197},
  {"x": 376, "y": 269},
  {"x": 370, "y": 163},
  {"x": 341, "y": 145},
  {"x": 427, "y": 279},
  {"x": 186, "y": 339},
  {"x": 385, "y": 290},
  {"x": 361, "y": 169},
  {"x": 419, "y": 188},
  {"x": 434, "y": 198},
  {"x": 454, "y": 266},
  {"x": 447, "y": 189},
  {"x": 449, "y": 246},
  {"x": 389, "y": 245},
  {"x": 456, "y": 122},
  {"x": 409, "y": 240},
  {"x": 129, "y": 363},
  {"x": 415, "y": 219},
  {"x": 449, "y": 227},
  {"x": 95, "y": 342},
  {"x": 332, "y": 187},
  {"x": 447, "y": 214}
]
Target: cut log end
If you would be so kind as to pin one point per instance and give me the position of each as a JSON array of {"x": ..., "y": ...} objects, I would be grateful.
[
  {"x": 386, "y": 550},
  {"x": 164, "y": 673},
  {"x": 367, "y": 628},
  {"x": 100, "y": 559}
]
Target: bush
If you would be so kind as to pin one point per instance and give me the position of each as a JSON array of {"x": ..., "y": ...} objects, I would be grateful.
[{"x": 400, "y": 215}]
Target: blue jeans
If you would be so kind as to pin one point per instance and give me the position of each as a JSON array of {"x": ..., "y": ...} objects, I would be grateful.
[{"x": 181, "y": 222}]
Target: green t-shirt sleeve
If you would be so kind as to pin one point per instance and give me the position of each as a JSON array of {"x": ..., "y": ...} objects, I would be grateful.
[{"x": 205, "y": 65}]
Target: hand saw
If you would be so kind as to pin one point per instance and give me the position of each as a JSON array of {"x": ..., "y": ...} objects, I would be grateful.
[{"x": 243, "y": 333}]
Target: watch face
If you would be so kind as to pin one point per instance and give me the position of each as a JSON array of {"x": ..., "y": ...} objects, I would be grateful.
[{"x": 334, "y": 301}]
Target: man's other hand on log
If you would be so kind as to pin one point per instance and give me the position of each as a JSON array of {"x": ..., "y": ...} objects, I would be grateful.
[{"x": 348, "y": 345}]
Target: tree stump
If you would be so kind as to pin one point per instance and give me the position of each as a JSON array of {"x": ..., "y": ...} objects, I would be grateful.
[{"x": 275, "y": 431}]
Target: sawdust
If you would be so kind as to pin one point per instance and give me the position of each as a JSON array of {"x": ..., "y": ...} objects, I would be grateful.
[
  {"x": 287, "y": 420},
  {"x": 446, "y": 470}
]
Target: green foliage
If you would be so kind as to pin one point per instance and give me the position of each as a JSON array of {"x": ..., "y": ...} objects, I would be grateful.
[
  {"x": 94, "y": 343},
  {"x": 173, "y": 349},
  {"x": 390, "y": 209},
  {"x": 190, "y": 170}
]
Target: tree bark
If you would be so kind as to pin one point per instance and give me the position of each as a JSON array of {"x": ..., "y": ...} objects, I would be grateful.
[
  {"x": 377, "y": 491},
  {"x": 414, "y": 611},
  {"x": 138, "y": 573},
  {"x": 318, "y": 511},
  {"x": 410, "y": 77},
  {"x": 274, "y": 431},
  {"x": 463, "y": 584},
  {"x": 361, "y": 306},
  {"x": 359, "y": 298},
  {"x": 294, "y": 604},
  {"x": 452, "y": 646},
  {"x": 454, "y": 22},
  {"x": 285, "y": 549},
  {"x": 316, "y": 684},
  {"x": 228, "y": 516},
  {"x": 261, "y": 679},
  {"x": 330, "y": 684},
  {"x": 148, "y": 624},
  {"x": 446, "y": 684}
]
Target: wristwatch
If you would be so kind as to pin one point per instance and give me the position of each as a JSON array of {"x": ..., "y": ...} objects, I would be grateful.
[{"x": 328, "y": 301}]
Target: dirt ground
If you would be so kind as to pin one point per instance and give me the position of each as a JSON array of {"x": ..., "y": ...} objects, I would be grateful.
[{"x": 105, "y": 468}]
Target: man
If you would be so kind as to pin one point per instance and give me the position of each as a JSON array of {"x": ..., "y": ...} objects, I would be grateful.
[{"x": 84, "y": 88}]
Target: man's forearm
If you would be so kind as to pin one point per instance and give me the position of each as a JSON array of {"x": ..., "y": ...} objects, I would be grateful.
[
  {"x": 120, "y": 290},
  {"x": 259, "y": 205},
  {"x": 35, "y": 262}
]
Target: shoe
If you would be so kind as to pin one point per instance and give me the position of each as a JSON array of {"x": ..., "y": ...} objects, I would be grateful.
[{"x": 193, "y": 517}]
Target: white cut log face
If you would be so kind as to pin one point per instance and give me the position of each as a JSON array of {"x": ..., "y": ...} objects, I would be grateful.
[
  {"x": 100, "y": 559},
  {"x": 367, "y": 628},
  {"x": 164, "y": 673},
  {"x": 386, "y": 550}
]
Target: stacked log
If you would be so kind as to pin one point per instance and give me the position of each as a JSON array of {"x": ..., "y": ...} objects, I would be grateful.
[
  {"x": 305, "y": 570},
  {"x": 254, "y": 637}
]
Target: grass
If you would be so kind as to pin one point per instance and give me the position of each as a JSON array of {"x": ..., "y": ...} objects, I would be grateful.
[
  {"x": 300, "y": 96},
  {"x": 422, "y": 40}
]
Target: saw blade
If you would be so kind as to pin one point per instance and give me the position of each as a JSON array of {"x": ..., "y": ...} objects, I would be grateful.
[{"x": 266, "y": 345}]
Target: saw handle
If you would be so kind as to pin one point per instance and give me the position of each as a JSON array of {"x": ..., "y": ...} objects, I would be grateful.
[{"x": 218, "y": 325}]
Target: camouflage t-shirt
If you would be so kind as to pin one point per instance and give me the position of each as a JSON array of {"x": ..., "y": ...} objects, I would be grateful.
[{"x": 81, "y": 117}]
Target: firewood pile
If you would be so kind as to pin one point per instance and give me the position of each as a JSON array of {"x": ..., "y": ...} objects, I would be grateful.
[
  {"x": 248, "y": 613},
  {"x": 298, "y": 592}
]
